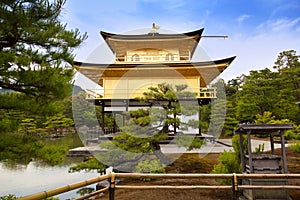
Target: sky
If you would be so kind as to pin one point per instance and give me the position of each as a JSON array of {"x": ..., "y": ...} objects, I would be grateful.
[{"x": 257, "y": 30}]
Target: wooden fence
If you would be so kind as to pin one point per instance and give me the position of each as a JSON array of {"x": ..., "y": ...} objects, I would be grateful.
[{"x": 235, "y": 187}]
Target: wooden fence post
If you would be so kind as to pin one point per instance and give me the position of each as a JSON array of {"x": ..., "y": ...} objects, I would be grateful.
[
  {"x": 235, "y": 188},
  {"x": 112, "y": 186}
]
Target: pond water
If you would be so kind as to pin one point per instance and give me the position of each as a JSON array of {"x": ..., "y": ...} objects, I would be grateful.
[{"x": 23, "y": 180}]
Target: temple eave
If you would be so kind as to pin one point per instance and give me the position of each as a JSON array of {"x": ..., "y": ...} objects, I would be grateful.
[
  {"x": 193, "y": 34},
  {"x": 97, "y": 66}
]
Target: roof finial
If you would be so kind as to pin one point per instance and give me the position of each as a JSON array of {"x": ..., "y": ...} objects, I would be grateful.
[{"x": 154, "y": 28}]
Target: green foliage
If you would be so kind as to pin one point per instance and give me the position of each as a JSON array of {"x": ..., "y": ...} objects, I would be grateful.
[
  {"x": 36, "y": 54},
  {"x": 265, "y": 118},
  {"x": 53, "y": 154},
  {"x": 85, "y": 113},
  {"x": 228, "y": 163},
  {"x": 13, "y": 197},
  {"x": 165, "y": 96},
  {"x": 205, "y": 113},
  {"x": 34, "y": 45},
  {"x": 296, "y": 131},
  {"x": 8, "y": 197},
  {"x": 52, "y": 198},
  {"x": 23, "y": 148},
  {"x": 236, "y": 145},
  {"x": 33, "y": 121},
  {"x": 84, "y": 191},
  {"x": 57, "y": 123},
  {"x": 272, "y": 91},
  {"x": 9, "y": 121},
  {"x": 189, "y": 141},
  {"x": 259, "y": 149},
  {"x": 268, "y": 118},
  {"x": 149, "y": 166},
  {"x": 296, "y": 147},
  {"x": 252, "y": 98},
  {"x": 289, "y": 135},
  {"x": 288, "y": 69},
  {"x": 28, "y": 126},
  {"x": 217, "y": 117},
  {"x": 91, "y": 164},
  {"x": 231, "y": 121}
]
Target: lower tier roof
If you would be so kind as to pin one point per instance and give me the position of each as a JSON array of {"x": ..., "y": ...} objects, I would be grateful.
[{"x": 207, "y": 70}]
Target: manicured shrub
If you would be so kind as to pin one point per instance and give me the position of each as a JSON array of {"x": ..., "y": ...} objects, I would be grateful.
[
  {"x": 296, "y": 147},
  {"x": 150, "y": 166}
]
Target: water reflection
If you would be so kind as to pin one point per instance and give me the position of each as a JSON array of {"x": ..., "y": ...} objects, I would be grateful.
[
  {"x": 35, "y": 177},
  {"x": 22, "y": 179}
]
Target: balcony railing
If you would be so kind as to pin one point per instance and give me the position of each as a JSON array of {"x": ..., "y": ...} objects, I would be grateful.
[
  {"x": 152, "y": 59},
  {"x": 205, "y": 93}
]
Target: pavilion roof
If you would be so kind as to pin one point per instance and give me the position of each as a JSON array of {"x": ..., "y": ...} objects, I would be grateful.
[
  {"x": 185, "y": 42},
  {"x": 208, "y": 70},
  {"x": 262, "y": 128}
]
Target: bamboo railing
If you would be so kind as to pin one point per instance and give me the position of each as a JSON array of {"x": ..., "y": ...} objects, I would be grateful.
[{"x": 235, "y": 187}]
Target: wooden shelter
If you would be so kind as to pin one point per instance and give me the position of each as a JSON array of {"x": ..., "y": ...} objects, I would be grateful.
[{"x": 261, "y": 163}]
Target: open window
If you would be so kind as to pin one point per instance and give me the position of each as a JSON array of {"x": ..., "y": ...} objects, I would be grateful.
[
  {"x": 169, "y": 57},
  {"x": 135, "y": 58}
]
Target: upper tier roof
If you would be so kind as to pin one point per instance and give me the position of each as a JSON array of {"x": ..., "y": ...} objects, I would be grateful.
[{"x": 186, "y": 43}]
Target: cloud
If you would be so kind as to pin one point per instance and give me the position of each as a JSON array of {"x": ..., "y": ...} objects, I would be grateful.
[
  {"x": 279, "y": 25},
  {"x": 175, "y": 4},
  {"x": 167, "y": 4},
  {"x": 290, "y": 8},
  {"x": 257, "y": 52},
  {"x": 242, "y": 18}
]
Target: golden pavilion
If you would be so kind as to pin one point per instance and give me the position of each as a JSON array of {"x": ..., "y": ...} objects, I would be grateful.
[{"x": 145, "y": 60}]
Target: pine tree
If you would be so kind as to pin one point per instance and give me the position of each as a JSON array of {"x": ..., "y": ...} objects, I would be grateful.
[
  {"x": 36, "y": 48},
  {"x": 258, "y": 94},
  {"x": 288, "y": 86},
  {"x": 140, "y": 139}
]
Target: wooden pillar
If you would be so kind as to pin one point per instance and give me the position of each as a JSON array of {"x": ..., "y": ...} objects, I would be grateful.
[
  {"x": 127, "y": 104},
  {"x": 250, "y": 151},
  {"x": 199, "y": 120},
  {"x": 242, "y": 152},
  {"x": 175, "y": 131},
  {"x": 112, "y": 187},
  {"x": 272, "y": 143},
  {"x": 103, "y": 117},
  {"x": 115, "y": 123},
  {"x": 125, "y": 117},
  {"x": 283, "y": 153}
]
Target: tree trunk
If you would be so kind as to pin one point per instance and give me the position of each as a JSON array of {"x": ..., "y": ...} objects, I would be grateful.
[{"x": 159, "y": 154}]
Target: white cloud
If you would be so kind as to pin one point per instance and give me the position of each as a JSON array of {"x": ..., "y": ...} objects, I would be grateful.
[
  {"x": 284, "y": 7},
  {"x": 242, "y": 18},
  {"x": 257, "y": 52},
  {"x": 175, "y": 4},
  {"x": 279, "y": 25}
]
